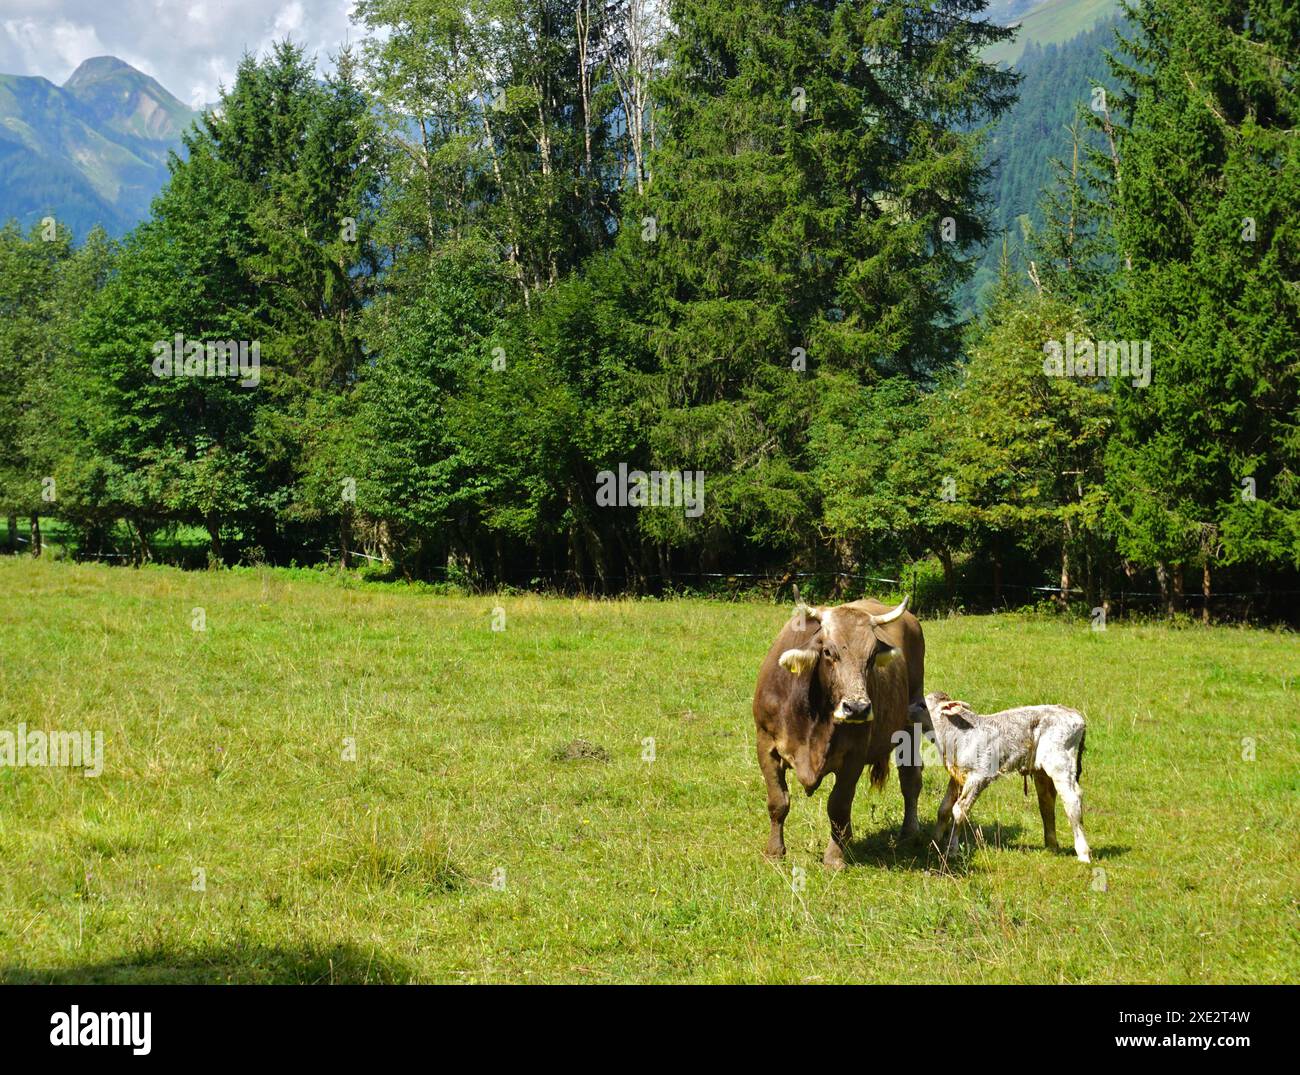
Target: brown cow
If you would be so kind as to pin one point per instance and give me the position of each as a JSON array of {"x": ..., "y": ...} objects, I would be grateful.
[{"x": 834, "y": 691}]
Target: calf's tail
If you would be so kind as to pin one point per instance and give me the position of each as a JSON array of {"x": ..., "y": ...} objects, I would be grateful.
[{"x": 1078, "y": 768}]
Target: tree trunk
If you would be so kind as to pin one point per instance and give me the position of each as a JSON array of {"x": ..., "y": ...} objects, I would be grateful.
[
  {"x": 214, "y": 536},
  {"x": 345, "y": 535},
  {"x": 841, "y": 562},
  {"x": 1205, "y": 592},
  {"x": 997, "y": 581},
  {"x": 945, "y": 560},
  {"x": 1063, "y": 596},
  {"x": 1130, "y": 580},
  {"x": 582, "y": 24},
  {"x": 1090, "y": 587},
  {"x": 575, "y": 560},
  {"x": 595, "y": 550},
  {"x": 36, "y": 534},
  {"x": 1178, "y": 587},
  {"x": 1162, "y": 580}
]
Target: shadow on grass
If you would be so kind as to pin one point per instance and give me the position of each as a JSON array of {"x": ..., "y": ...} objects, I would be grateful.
[
  {"x": 887, "y": 849},
  {"x": 1065, "y": 848},
  {"x": 246, "y": 964},
  {"x": 1112, "y": 851}
]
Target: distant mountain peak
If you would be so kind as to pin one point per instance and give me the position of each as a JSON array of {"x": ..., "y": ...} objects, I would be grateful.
[
  {"x": 92, "y": 151},
  {"x": 96, "y": 67},
  {"x": 127, "y": 100}
]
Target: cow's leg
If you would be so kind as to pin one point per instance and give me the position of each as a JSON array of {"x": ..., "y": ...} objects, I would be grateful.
[
  {"x": 909, "y": 780},
  {"x": 1062, "y": 774},
  {"x": 945, "y": 811},
  {"x": 839, "y": 808},
  {"x": 970, "y": 791},
  {"x": 1047, "y": 807},
  {"x": 778, "y": 796}
]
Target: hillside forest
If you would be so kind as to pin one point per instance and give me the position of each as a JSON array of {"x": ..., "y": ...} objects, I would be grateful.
[{"x": 633, "y": 297}]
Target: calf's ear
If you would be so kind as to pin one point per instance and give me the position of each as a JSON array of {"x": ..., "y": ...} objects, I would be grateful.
[
  {"x": 798, "y": 661},
  {"x": 957, "y": 718}
]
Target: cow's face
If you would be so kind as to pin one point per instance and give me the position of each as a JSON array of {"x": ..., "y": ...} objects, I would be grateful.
[{"x": 843, "y": 655}]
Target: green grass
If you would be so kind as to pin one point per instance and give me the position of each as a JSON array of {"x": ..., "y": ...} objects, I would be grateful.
[
  {"x": 1051, "y": 23},
  {"x": 223, "y": 752}
]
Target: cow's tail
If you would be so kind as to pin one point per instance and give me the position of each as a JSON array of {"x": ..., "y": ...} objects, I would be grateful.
[
  {"x": 1083, "y": 741},
  {"x": 879, "y": 771}
]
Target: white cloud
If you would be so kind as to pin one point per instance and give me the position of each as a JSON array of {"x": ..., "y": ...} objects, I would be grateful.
[
  {"x": 190, "y": 47},
  {"x": 290, "y": 19},
  {"x": 57, "y": 44}
]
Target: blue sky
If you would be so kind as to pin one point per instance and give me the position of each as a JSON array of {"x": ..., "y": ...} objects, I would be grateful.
[{"x": 190, "y": 46}]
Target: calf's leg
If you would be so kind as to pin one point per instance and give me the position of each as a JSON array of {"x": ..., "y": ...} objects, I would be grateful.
[
  {"x": 1062, "y": 774},
  {"x": 839, "y": 808},
  {"x": 970, "y": 791},
  {"x": 945, "y": 811},
  {"x": 1046, "y": 806},
  {"x": 778, "y": 796}
]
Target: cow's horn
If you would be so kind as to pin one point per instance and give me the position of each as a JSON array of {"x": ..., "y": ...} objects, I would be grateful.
[
  {"x": 811, "y": 611},
  {"x": 891, "y": 615}
]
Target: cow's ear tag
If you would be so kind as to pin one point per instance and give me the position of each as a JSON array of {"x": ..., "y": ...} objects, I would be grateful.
[
  {"x": 798, "y": 661},
  {"x": 884, "y": 655}
]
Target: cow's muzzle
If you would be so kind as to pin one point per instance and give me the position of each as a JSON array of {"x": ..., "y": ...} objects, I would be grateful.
[{"x": 848, "y": 712}]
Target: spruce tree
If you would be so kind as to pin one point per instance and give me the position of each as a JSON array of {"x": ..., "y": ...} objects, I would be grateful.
[
  {"x": 1205, "y": 466},
  {"x": 814, "y": 196}
]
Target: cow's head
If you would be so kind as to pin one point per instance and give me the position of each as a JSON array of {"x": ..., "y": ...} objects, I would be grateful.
[{"x": 842, "y": 654}]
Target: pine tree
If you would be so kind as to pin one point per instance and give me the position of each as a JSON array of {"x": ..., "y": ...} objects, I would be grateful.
[
  {"x": 1205, "y": 466},
  {"x": 817, "y": 185}
]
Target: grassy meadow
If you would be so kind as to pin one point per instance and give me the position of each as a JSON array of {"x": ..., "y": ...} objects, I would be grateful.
[{"x": 377, "y": 786}]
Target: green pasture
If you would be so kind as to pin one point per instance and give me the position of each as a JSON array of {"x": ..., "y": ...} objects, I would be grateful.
[{"x": 339, "y": 781}]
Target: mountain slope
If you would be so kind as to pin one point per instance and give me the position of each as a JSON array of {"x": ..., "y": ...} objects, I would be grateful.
[
  {"x": 1056, "y": 80},
  {"x": 126, "y": 101},
  {"x": 92, "y": 151},
  {"x": 1052, "y": 23}
]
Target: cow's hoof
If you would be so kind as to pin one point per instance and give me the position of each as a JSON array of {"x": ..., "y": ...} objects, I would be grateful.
[
  {"x": 771, "y": 852},
  {"x": 833, "y": 859},
  {"x": 909, "y": 830}
]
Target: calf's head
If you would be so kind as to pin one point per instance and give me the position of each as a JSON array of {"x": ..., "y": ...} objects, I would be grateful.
[
  {"x": 946, "y": 712},
  {"x": 842, "y": 654}
]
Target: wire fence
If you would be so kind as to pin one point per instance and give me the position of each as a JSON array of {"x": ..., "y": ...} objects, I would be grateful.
[
  {"x": 962, "y": 589},
  {"x": 686, "y": 576}
]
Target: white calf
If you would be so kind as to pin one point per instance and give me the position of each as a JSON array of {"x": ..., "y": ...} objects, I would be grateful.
[{"x": 1046, "y": 740}]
